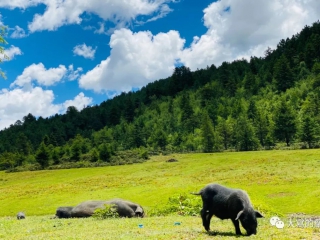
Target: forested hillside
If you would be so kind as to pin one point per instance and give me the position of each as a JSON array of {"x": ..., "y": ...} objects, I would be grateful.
[{"x": 240, "y": 105}]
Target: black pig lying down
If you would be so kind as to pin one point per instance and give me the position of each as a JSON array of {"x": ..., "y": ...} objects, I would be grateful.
[
  {"x": 124, "y": 208},
  {"x": 228, "y": 203},
  {"x": 63, "y": 212}
]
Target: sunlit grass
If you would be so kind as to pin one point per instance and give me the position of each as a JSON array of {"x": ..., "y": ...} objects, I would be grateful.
[
  {"x": 43, "y": 228},
  {"x": 278, "y": 182}
]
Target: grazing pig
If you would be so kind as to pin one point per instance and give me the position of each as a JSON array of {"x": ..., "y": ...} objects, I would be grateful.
[
  {"x": 63, "y": 212},
  {"x": 21, "y": 215},
  {"x": 227, "y": 203},
  {"x": 124, "y": 208}
]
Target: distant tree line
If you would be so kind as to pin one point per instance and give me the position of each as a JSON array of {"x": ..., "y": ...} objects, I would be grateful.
[{"x": 267, "y": 102}]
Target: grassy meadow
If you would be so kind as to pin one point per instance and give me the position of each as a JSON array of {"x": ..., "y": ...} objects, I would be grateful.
[{"x": 278, "y": 182}]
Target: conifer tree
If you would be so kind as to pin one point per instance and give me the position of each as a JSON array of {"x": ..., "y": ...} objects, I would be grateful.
[
  {"x": 283, "y": 74},
  {"x": 43, "y": 155},
  {"x": 310, "y": 130},
  {"x": 285, "y": 123},
  {"x": 207, "y": 133}
]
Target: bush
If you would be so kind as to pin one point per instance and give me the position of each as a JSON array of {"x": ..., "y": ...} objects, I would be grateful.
[
  {"x": 110, "y": 211},
  {"x": 144, "y": 154},
  {"x": 181, "y": 204},
  {"x": 25, "y": 167}
]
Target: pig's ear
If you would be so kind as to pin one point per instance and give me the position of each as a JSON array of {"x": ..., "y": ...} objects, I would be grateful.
[
  {"x": 259, "y": 215},
  {"x": 139, "y": 210},
  {"x": 239, "y": 214}
]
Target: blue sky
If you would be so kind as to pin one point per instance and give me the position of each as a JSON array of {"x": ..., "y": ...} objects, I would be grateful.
[{"x": 80, "y": 53}]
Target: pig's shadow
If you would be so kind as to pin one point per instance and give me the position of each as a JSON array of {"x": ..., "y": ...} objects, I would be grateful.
[{"x": 223, "y": 234}]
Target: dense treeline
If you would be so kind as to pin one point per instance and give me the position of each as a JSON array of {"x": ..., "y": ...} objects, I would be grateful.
[{"x": 243, "y": 105}]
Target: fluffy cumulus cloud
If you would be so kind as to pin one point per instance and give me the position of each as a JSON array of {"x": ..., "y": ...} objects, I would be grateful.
[
  {"x": 135, "y": 60},
  {"x": 80, "y": 102},
  {"x": 38, "y": 73},
  {"x": 84, "y": 51},
  {"x": 60, "y": 13},
  {"x": 45, "y": 77},
  {"x": 239, "y": 29},
  {"x": 10, "y": 53},
  {"x": 24, "y": 98},
  {"x": 17, "y": 103}
]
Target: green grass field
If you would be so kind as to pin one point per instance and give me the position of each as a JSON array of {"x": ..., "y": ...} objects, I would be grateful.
[
  {"x": 278, "y": 182},
  {"x": 43, "y": 228}
]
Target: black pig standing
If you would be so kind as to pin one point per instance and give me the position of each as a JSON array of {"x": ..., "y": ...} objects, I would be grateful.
[{"x": 227, "y": 203}]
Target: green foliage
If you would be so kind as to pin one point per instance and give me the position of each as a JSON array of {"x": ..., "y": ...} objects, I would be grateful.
[
  {"x": 2, "y": 41},
  {"x": 263, "y": 126},
  {"x": 55, "y": 156},
  {"x": 8, "y": 161},
  {"x": 310, "y": 131},
  {"x": 109, "y": 211},
  {"x": 187, "y": 113},
  {"x": 94, "y": 155},
  {"x": 144, "y": 154},
  {"x": 159, "y": 139},
  {"x": 43, "y": 155},
  {"x": 181, "y": 204},
  {"x": 208, "y": 135},
  {"x": 316, "y": 68},
  {"x": 225, "y": 130},
  {"x": 283, "y": 74},
  {"x": 105, "y": 152},
  {"x": 285, "y": 122},
  {"x": 245, "y": 135}
]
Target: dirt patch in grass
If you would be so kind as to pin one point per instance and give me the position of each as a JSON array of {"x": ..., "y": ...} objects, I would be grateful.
[{"x": 281, "y": 194}]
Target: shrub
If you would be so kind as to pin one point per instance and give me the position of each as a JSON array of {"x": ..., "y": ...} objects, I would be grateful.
[
  {"x": 110, "y": 211},
  {"x": 181, "y": 204},
  {"x": 144, "y": 154}
]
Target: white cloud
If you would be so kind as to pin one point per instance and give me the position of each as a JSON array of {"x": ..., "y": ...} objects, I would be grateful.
[
  {"x": 135, "y": 60},
  {"x": 17, "y": 103},
  {"x": 11, "y": 53},
  {"x": 101, "y": 29},
  {"x": 19, "y": 3},
  {"x": 80, "y": 102},
  {"x": 59, "y": 13},
  {"x": 18, "y": 33},
  {"x": 84, "y": 51},
  {"x": 239, "y": 29},
  {"x": 38, "y": 73},
  {"x": 45, "y": 77},
  {"x": 74, "y": 74},
  {"x": 163, "y": 11}
]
